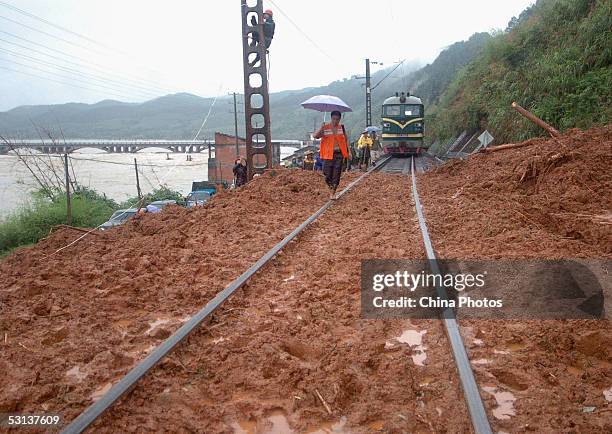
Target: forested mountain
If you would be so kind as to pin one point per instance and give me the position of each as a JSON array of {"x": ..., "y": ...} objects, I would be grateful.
[{"x": 554, "y": 59}]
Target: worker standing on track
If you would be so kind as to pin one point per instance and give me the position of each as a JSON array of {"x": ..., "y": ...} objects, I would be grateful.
[
  {"x": 333, "y": 150},
  {"x": 364, "y": 145},
  {"x": 269, "y": 26}
]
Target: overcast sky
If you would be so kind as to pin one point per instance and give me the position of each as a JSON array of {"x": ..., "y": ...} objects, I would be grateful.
[{"x": 138, "y": 49}]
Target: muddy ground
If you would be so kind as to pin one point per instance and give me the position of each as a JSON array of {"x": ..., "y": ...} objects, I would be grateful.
[
  {"x": 74, "y": 320},
  {"x": 552, "y": 199},
  {"x": 289, "y": 351},
  {"x": 295, "y": 332}
]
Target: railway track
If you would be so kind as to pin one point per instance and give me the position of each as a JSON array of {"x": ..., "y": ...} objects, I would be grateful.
[{"x": 390, "y": 165}]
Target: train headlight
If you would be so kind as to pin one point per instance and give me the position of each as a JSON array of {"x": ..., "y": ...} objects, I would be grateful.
[
  {"x": 418, "y": 125},
  {"x": 386, "y": 125}
]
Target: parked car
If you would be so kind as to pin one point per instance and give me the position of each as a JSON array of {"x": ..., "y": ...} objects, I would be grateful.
[
  {"x": 163, "y": 203},
  {"x": 196, "y": 198},
  {"x": 119, "y": 217}
]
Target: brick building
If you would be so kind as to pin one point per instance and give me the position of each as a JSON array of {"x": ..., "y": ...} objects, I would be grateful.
[{"x": 223, "y": 155}]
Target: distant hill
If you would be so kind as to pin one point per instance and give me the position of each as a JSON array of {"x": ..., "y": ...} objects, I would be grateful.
[{"x": 179, "y": 116}]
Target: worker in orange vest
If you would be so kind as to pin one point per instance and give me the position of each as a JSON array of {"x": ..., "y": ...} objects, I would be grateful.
[{"x": 333, "y": 150}]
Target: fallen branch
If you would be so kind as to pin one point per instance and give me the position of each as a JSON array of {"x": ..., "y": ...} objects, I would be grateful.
[
  {"x": 75, "y": 229},
  {"x": 507, "y": 146},
  {"x": 536, "y": 120},
  {"x": 323, "y": 402}
]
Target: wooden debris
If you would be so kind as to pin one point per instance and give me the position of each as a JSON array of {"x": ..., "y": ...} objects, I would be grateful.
[
  {"x": 536, "y": 120},
  {"x": 323, "y": 402}
]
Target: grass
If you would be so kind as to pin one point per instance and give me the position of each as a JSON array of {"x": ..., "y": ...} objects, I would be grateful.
[{"x": 89, "y": 209}]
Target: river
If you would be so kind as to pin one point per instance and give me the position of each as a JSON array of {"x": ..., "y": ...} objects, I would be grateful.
[{"x": 112, "y": 174}]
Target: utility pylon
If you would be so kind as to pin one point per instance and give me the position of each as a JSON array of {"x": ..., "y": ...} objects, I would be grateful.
[
  {"x": 235, "y": 112},
  {"x": 259, "y": 152}
]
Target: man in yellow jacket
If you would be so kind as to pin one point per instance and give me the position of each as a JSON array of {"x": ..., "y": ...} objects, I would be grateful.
[{"x": 364, "y": 145}]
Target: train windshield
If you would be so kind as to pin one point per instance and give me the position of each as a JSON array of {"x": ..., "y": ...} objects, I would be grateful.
[
  {"x": 412, "y": 110},
  {"x": 393, "y": 110},
  {"x": 403, "y": 110}
]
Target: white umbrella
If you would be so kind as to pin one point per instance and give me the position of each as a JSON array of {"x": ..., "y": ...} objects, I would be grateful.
[{"x": 326, "y": 103}]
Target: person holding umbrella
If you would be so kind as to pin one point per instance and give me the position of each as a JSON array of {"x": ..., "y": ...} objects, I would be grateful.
[
  {"x": 333, "y": 150},
  {"x": 334, "y": 142}
]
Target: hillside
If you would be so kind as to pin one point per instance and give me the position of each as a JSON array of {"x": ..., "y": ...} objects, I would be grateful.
[
  {"x": 554, "y": 59},
  {"x": 179, "y": 116}
]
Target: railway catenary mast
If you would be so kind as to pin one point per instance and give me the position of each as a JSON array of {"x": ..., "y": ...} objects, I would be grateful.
[{"x": 256, "y": 97}]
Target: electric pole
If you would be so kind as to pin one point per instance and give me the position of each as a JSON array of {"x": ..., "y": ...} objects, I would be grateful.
[
  {"x": 236, "y": 126},
  {"x": 137, "y": 182},
  {"x": 368, "y": 95},
  {"x": 368, "y": 86},
  {"x": 68, "y": 204}
]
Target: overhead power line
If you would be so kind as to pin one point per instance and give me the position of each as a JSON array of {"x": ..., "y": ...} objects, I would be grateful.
[
  {"x": 66, "y": 41},
  {"x": 58, "y": 81},
  {"x": 391, "y": 72},
  {"x": 64, "y": 29},
  {"x": 36, "y": 17},
  {"x": 134, "y": 79},
  {"x": 101, "y": 88},
  {"x": 118, "y": 85},
  {"x": 317, "y": 46}
]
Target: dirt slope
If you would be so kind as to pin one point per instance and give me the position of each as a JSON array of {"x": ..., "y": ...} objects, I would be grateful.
[{"x": 552, "y": 199}]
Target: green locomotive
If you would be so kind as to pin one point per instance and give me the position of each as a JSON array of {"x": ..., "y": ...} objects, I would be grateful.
[{"x": 403, "y": 125}]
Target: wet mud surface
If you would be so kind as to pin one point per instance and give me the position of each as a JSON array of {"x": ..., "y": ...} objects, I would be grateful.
[
  {"x": 289, "y": 352},
  {"x": 72, "y": 322},
  {"x": 548, "y": 200}
]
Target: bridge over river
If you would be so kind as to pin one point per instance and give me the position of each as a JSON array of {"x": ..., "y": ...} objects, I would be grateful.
[{"x": 120, "y": 146}]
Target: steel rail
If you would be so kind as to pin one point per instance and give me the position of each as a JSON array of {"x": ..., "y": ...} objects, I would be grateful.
[
  {"x": 96, "y": 409},
  {"x": 472, "y": 396}
]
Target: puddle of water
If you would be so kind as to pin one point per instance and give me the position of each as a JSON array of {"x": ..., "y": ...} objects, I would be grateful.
[
  {"x": 98, "y": 393},
  {"x": 275, "y": 423},
  {"x": 478, "y": 342},
  {"x": 244, "y": 427},
  {"x": 185, "y": 318},
  {"x": 505, "y": 402},
  {"x": 608, "y": 394},
  {"x": 158, "y": 322},
  {"x": 76, "y": 373},
  {"x": 414, "y": 339},
  {"x": 439, "y": 410},
  {"x": 481, "y": 362},
  {"x": 501, "y": 352},
  {"x": 330, "y": 428},
  {"x": 218, "y": 340},
  {"x": 289, "y": 278}
]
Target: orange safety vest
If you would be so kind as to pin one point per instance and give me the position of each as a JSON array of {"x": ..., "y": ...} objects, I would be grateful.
[{"x": 329, "y": 139}]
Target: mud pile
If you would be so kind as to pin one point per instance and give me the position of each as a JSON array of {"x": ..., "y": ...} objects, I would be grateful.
[
  {"x": 74, "y": 318},
  {"x": 556, "y": 189},
  {"x": 551, "y": 199}
]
